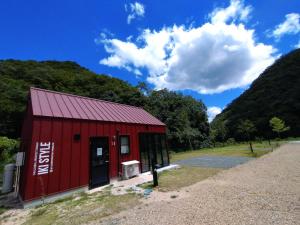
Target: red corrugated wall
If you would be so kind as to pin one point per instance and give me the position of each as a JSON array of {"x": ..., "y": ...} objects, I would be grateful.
[{"x": 70, "y": 157}]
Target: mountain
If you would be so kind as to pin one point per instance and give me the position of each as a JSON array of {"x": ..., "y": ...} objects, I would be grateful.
[
  {"x": 276, "y": 92},
  {"x": 17, "y": 76},
  {"x": 185, "y": 117}
]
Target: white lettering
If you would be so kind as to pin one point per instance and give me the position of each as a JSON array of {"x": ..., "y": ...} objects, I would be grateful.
[
  {"x": 43, "y": 160},
  {"x": 43, "y": 169}
]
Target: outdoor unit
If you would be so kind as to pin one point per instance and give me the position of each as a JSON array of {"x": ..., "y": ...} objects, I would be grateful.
[{"x": 130, "y": 169}]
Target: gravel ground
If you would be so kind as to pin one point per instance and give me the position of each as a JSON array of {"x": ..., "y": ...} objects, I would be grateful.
[
  {"x": 262, "y": 191},
  {"x": 214, "y": 161}
]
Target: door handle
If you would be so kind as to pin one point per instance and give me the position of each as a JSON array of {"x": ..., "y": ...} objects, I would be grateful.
[{"x": 106, "y": 161}]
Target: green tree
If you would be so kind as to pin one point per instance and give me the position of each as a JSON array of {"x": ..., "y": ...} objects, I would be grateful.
[
  {"x": 185, "y": 117},
  {"x": 247, "y": 128},
  {"x": 278, "y": 125},
  {"x": 218, "y": 131}
]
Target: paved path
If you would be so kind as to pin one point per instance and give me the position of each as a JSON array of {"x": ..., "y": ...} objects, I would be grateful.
[
  {"x": 214, "y": 161},
  {"x": 262, "y": 191}
]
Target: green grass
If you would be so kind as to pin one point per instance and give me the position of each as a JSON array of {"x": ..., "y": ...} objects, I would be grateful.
[
  {"x": 3, "y": 209},
  {"x": 185, "y": 176},
  {"x": 82, "y": 208},
  {"x": 232, "y": 150}
]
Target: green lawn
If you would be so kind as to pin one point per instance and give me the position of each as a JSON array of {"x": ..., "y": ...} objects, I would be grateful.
[
  {"x": 172, "y": 180},
  {"x": 232, "y": 150},
  {"x": 185, "y": 176}
]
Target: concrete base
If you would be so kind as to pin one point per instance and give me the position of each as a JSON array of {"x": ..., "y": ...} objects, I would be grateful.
[{"x": 52, "y": 198}]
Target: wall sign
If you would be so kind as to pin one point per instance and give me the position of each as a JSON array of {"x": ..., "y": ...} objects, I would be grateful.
[
  {"x": 43, "y": 158},
  {"x": 99, "y": 151}
]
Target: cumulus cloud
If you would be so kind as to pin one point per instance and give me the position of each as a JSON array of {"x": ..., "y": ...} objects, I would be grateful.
[
  {"x": 235, "y": 11},
  {"x": 219, "y": 55},
  {"x": 212, "y": 112},
  {"x": 297, "y": 45},
  {"x": 135, "y": 10},
  {"x": 291, "y": 25}
]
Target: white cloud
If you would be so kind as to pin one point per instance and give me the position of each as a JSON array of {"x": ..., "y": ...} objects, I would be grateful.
[
  {"x": 291, "y": 25},
  {"x": 135, "y": 10},
  {"x": 235, "y": 11},
  {"x": 297, "y": 45},
  {"x": 212, "y": 112},
  {"x": 217, "y": 56}
]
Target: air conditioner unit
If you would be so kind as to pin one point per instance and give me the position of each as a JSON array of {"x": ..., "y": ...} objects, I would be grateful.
[{"x": 130, "y": 169}]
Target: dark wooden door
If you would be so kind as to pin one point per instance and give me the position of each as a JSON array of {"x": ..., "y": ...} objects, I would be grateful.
[{"x": 99, "y": 161}]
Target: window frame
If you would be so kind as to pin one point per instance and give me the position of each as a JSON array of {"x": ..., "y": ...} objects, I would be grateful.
[{"x": 120, "y": 147}]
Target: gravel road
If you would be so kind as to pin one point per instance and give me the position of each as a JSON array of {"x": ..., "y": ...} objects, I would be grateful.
[{"x": 262, "y": 191}]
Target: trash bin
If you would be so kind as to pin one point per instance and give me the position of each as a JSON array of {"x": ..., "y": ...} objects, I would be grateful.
[{"x": 8, "y": 178}]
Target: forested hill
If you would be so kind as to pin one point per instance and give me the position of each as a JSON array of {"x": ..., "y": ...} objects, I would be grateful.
[
  {"x": 184, "y": 116},
  {"x": 276, "y": 92}
]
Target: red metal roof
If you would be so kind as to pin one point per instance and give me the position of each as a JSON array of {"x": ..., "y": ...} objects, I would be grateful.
[{"x": 63, "y": 105}]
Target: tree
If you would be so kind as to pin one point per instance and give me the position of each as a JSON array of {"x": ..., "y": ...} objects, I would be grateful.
[
  {"x": 185, "y": 117},
  {"x": 278, "y": 125},
  {"x": 218, "y": 131},
  {"x": 247, "y": 128}
]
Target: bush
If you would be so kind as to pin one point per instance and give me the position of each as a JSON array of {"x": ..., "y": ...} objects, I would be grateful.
[
  {"x": 230, "y": 141},
  {"x": 8, "y": 147}
]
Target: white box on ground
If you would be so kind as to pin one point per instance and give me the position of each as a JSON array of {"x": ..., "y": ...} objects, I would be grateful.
[{"x": 130, "y": 169}]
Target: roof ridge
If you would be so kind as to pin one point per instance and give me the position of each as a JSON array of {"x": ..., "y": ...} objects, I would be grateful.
[{"x": 79, "y": 96}]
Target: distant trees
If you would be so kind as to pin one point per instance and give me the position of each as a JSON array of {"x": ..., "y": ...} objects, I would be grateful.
[
  {"x": 185, "y": 117},
  {"x": 278, "y": 125},
  {"x": 247, "y": 128}
]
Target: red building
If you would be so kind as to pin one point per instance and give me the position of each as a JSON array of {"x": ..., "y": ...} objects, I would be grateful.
[{"x": 72, "y": 142}]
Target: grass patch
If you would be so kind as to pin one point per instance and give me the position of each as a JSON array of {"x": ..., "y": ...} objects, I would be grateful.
[
  {"x": 82, "y": 208},
  {"x": 185, "y": 176},
  {"x": 3, "y": 209},
  {"x": 232, "y": 150},
  {"x": 172, "y": 180}
]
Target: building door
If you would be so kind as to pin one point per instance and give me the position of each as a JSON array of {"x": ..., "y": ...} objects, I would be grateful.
[
  {"x": 99, "y": 161},
  {"x": 153, "y": 147}
]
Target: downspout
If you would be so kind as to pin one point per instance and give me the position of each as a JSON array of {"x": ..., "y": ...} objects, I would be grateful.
[{"x": 118, "y": 149}]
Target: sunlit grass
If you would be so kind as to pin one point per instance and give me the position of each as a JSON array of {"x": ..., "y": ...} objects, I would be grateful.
[
  {"x": 231, "y": 150},
  {"x": 185, "y": 176}
]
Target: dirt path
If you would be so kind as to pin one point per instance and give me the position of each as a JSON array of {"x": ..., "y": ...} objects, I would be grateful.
[{"x": 263, "y": 191}]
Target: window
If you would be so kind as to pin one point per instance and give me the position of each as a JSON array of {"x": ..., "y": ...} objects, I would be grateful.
[{"x": 124, "y": 143}]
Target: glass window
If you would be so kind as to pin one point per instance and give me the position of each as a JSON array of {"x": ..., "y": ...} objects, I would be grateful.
[{"x": 124, "y": 143}]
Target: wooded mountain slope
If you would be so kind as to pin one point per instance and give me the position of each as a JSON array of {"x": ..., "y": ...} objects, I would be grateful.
[
  {"x": 17, "y": 76},
  {"x": 184, "y": 116},
  {"x": 276, "y": 92}
]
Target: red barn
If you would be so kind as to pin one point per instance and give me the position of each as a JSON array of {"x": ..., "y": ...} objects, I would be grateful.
[{"x": 73, "y": 142}]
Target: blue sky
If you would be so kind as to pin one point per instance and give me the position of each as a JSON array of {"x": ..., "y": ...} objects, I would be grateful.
[{"x": 211, "y": 50}]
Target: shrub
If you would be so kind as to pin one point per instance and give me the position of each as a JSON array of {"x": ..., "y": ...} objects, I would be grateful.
[
  {"x": 230, "y": 141},
  {"x": 8, "y": 147}
]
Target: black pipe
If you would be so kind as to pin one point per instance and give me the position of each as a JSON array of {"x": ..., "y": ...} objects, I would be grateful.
[{"x": 118, "y": 149}]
